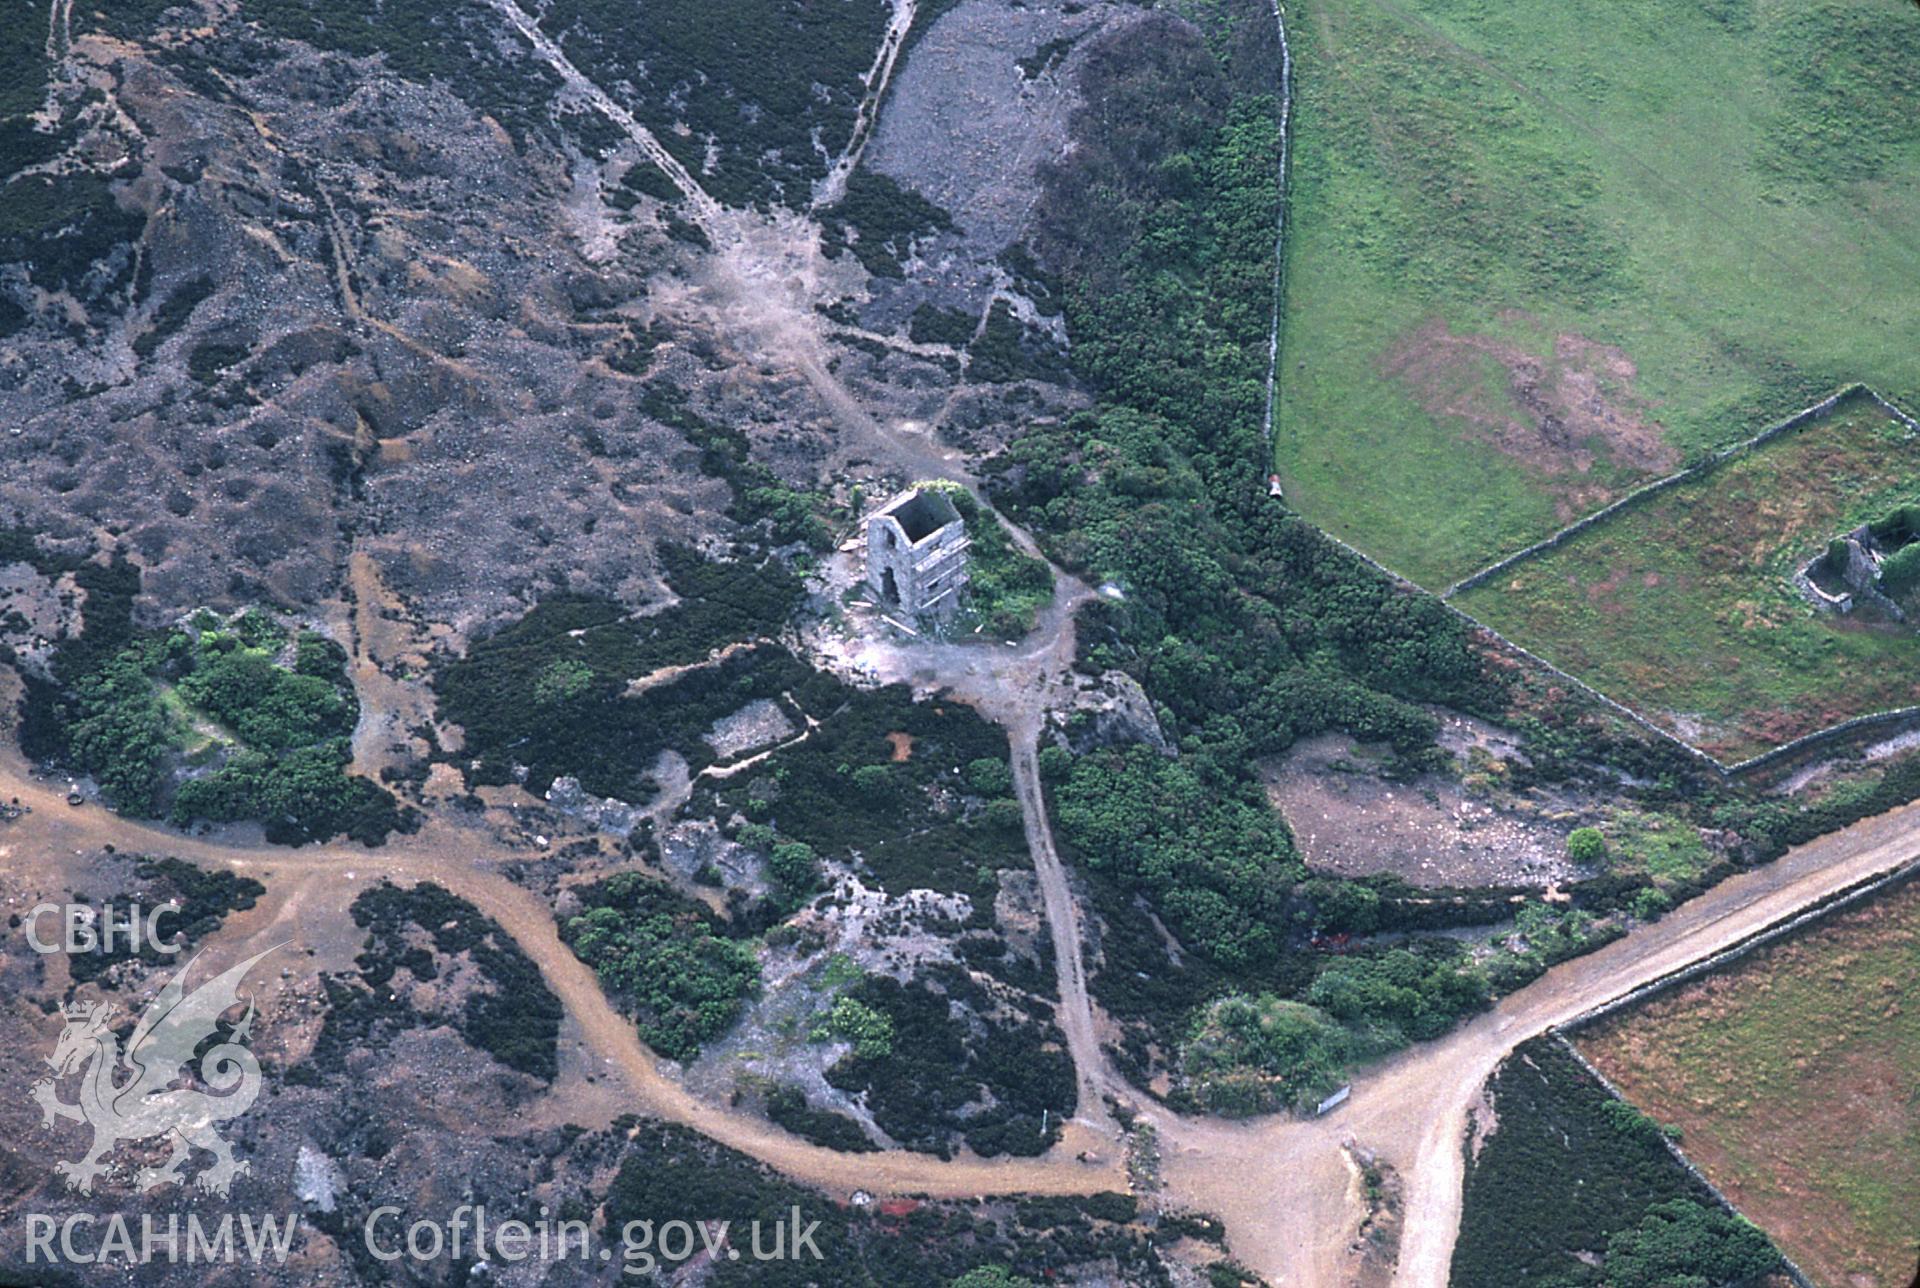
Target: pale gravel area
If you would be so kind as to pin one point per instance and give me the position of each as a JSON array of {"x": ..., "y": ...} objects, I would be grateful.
[
  {"x": 966, "y": 129},
  {"x": 760, "y": 723},
  {"x": 1431, "y": 831}
]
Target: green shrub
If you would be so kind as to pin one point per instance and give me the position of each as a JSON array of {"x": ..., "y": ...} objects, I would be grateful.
[
  {"x": 1566, "y": 1171},
  {"x": 990, "y": 776},
  {"x": 1399, "y": 995},
  {"x": 753, "y": 97},
  {"x": 663, "y": 954},
  {"x": 1251, "y": 1055},
  {"x": 1651, "y": 905},
  {"x": 1006, "y": 589},
  {"x": 795, "y": 870},
  {"x": 1213, "y": 858},
  {"x": 787, "y": 1107},
  {"x": 1686, "y": 1242},
  {"x": 302, "y": 794},
  {"x": 1900, "y": 571},
  {"x": 991, "y": 1277},
  {"x": 104, "y": 714},
  {"x": 269, "y": 707},
  {"x": 870, "y": 1031},
  {"x": 933, "y": 325},
  {"x": 1586, "y": 846}
]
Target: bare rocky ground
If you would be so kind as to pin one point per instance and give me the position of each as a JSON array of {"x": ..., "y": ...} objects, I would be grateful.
[
  {"x": 1463, "y": 828},
  {"x": 968, "y": 126},
  {"x": 409, "y": 404},
  {"x": 430, "y": 328},
  {"x": 423, "y": 1121},
  {"x": 419, "y": 377}
]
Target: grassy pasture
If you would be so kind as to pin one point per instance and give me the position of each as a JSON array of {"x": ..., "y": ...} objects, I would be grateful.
[
  {"x": 1543, "y": 250},
  {"x": 1792, "y": 1076},
  {"x": 1682, "y": 606}
]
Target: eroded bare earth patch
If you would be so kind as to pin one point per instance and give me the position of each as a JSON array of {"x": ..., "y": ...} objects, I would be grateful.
[
  {"x": 1558, "y": 415},
  {"x": 1460, "y": 829}
]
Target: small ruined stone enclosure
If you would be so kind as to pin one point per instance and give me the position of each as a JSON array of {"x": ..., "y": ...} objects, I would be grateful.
[
  {"x": 917, "y": 554},
  {"x": 1848, "y": 575}
]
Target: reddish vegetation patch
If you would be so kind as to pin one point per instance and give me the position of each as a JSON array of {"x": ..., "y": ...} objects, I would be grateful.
[
  {"x": 1776, "y": 727},
  {"x": 1555, "y": 415},
  {"x": 1602, "y": 592}
]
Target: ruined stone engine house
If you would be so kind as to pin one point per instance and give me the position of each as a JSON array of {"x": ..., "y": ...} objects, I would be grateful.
[{"x": 917, "y": 554}]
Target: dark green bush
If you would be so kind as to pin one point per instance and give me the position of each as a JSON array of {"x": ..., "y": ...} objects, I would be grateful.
[
  {"x": 550, "y": 690},
  {"x": 1561, "y": 1179},
  {"x": 927, "y": 1090},
  {"x": 205, "y": 897},
  {"x": 666, "y": 957},
  {"x": 788, "y": 1108},
  {"x": 513, "y": 1016}
]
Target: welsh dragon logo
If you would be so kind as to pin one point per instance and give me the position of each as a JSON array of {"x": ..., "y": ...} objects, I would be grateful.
[{"x": 146, "y": 1104}]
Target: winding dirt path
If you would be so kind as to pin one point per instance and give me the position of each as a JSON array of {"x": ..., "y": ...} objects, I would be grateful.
[
  {"x": 466, "y": 863},
  {"x": 1282, "y": 1185},
  {"x": 899, "y": 23}
]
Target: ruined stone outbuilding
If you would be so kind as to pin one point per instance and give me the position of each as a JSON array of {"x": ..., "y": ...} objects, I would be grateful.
[
  {"x": 917, "y": 554},
  {"x": 1852, "y": 584}
]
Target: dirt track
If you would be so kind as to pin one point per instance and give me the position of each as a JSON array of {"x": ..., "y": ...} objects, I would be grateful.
[
  {"x": 607, "y": 1043},
  {"x": 1282, "y": 1185},
  {"x": 1063, "y": 920}
]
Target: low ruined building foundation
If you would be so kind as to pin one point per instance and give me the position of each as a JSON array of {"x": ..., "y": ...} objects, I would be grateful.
[{"x": 917, "y": 554}]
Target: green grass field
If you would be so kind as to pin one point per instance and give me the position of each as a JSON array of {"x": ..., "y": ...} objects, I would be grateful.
[
  {"x": 1792, "y": 1076},
  {"x": 1683, "y": 607},
  {"x": 1544, "y": 249}
]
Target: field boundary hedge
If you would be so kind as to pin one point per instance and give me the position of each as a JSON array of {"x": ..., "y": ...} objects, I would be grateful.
[{"x": 1793, "y": 1271}]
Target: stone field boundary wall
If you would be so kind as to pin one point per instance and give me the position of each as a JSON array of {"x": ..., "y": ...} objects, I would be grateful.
[
  {"x": 1839, "y": 901},
  {"x": 1791, "y": 1270},
  {"x": 1898, "y": 718},
  {"x": 1800, "y": 419}
]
